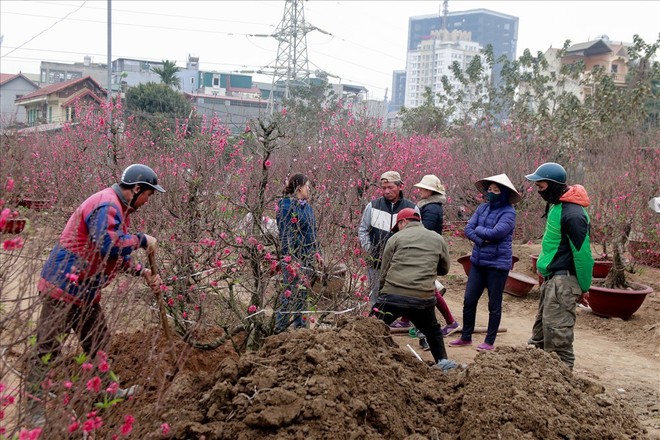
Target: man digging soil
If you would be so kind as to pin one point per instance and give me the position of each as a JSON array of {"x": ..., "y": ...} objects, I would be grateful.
[
  {"x": 94, "y": 246},
  {"x": 413, "y": 257}
]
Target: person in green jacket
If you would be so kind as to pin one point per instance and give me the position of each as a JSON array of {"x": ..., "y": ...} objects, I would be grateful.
[{"x": 565, "y": 261}]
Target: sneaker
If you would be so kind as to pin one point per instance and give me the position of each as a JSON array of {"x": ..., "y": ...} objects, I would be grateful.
[
  {"x": 451, "y": 328},
  {"x": 424, "y": 344},
  {"x": 445, "y": 365},
  {"x": 400, "y": 324},
  {"x": 485, "y": 347},
  {"x": 459, "y": 343}
]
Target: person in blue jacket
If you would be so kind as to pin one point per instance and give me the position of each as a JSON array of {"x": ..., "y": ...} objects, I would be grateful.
[
  {"x": 491, "y": 230},
  {"x": 300, "y": 250}
]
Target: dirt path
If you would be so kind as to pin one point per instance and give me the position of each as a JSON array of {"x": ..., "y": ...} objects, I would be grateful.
[{"x": 624, "y": 356}]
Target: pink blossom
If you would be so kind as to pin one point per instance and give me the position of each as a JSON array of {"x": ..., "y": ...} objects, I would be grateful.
[
  {"x": 287, "y": 293},
  {"x": 73, "y": 427},
  {"x": 112, "y": 388},
  {"x": 239, "y": 240},
  {"x": 268, "y": 163},
  {"x": 87, "y": 366},
  {"x": 29, "y": 435},
  {"x": 252, "y": 309},
  {"x": 10, "y": 184},
  {"x": 104, "y": 367},
  {"x": 287, "y": 259},
  {"x": 127, "y": 427},
  {"x": 68, "y": 384},
  {"x": 12, "y": 244},
  {"x": 94, "y": 384},
  {"x": 375, "y": 309}
]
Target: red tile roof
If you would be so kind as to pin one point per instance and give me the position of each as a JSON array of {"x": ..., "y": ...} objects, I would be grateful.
[
  {"x": 52, "y": 88},
  {"x": 81, "y": 94},
  {"x": 6, "y": 77}
]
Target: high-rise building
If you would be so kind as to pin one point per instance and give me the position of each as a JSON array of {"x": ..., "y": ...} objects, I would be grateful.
[
  {"x": 398, "y": 90},
  {"x": 431, "y": 60},
  {"x": 485, "y": 26}
]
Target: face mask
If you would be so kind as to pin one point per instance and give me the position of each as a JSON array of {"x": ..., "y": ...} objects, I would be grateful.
[
  {"x": 492, "y": 197},
  {"x": 553, "y": 192}
]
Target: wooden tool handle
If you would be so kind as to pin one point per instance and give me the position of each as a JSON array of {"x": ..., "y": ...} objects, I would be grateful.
[
  {"x": 152, "y": 263},
  {"x": 161, "y": 304}
]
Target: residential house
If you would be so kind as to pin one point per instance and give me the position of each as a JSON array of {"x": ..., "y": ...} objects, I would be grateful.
[
  {"x": 13, "y": 87},
  {"x": 601, "y": 53},
  {"x": 53, "y": 72},
  {"x": 612, "y": 57},
  {"x": 233, "y": 111},
  {"x": 55, "y": 104}
]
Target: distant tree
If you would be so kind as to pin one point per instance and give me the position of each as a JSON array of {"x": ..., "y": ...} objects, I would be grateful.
[
  {"x": 168, "y": 74},
  {"x": 429, "y": 118},
  {"x": 161, "y": 109},
  {"x": 157, "y": 99}
]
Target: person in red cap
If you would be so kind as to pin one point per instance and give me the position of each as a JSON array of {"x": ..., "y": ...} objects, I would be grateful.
[{"x": 412, "y": 259}]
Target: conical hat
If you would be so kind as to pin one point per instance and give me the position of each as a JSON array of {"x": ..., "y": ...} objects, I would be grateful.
[{"x": 500, "y": 179}]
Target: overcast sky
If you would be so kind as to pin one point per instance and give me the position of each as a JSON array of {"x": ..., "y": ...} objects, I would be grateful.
[{"x": 364, "y": 41}]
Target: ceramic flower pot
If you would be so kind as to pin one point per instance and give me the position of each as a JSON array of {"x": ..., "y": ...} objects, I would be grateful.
[
  {"x": 13, "y": 226},
  {"x": 601, "y": 268},
  {"x": 645, "y": 252},
  {"x": 534, "y": 258},
  {"x": 617, "y": 303},
  {"x": 465, "y": 262},
  {"x": 518, "y": 284}
]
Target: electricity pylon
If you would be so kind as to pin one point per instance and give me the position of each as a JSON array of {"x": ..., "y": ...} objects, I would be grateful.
[{"x": 291, "y": 68}]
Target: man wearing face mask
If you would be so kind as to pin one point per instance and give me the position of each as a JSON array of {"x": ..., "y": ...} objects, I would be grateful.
[{"x": 565, "y": 260}]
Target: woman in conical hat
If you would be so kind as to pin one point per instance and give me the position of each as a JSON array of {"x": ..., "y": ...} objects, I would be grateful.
[{"x": 491, "y": 231}]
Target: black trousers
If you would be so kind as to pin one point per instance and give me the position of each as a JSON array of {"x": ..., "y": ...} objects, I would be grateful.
[{"x": 423, "y": 319}]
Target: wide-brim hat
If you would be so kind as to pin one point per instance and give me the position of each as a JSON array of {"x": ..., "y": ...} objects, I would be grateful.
[
  {"x": 432, "y": 183},
  {"x": 500, "y": 179}
]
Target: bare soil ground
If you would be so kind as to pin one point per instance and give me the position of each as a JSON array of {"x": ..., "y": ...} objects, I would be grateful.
[{"x": 356, "y": 381}]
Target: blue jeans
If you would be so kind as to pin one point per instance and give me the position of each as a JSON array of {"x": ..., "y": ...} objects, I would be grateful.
[
  {"x": 294, "y": 303},
  {"x": 481, "y": 278}
]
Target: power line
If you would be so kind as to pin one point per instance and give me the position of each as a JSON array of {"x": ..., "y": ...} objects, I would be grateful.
[{"x": 47, "y": 29}]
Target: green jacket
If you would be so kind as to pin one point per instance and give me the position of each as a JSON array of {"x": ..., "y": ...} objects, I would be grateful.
[
  {"x": 412, "y": 260},
  {"x": 566, "y": 244}
]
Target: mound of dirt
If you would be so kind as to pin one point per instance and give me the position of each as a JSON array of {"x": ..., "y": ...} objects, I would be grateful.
[{"x": 353, "y": 382}]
